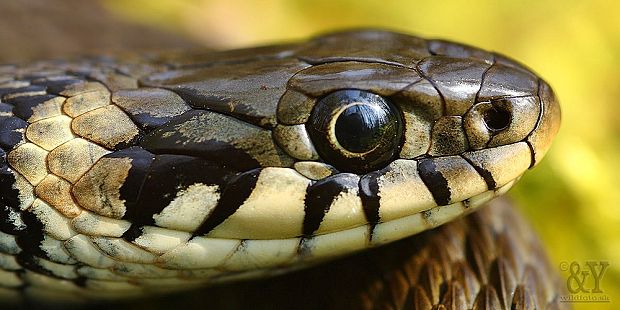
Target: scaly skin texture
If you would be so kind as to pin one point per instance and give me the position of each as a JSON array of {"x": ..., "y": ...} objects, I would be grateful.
[
  {"x": 155, "y": 173},
  {"x": 490, "y": 259}
]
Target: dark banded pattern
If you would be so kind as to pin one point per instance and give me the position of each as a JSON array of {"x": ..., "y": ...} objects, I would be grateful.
[
  {"x": 233, "y": 196},
  {"x": 435, "y": 181},
  {"x": 321, "y": 195}
]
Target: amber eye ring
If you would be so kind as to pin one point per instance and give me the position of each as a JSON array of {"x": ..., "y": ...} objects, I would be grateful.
[{"x": 355, "y": 130}]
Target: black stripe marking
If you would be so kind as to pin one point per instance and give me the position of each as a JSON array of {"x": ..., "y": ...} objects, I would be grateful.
[
  {"x": 486, "y": 175},
  {"x": 168, "y": 140},
  {"x": 369, "y": 194},
  {"x": 233, "y": 196},
  {"x": 141, "y": 161},
  {"x": 9, "y": 201},
  {"x": 434, "y": 181},
  {"x": 319, "y": 198},
  {"x": 31, "y": 238},
  {"x": 132, "y": 233},
  {"x": 158, "y": 182}
]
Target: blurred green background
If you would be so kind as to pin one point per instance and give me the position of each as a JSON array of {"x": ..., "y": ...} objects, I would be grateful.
[{"x": 572, "y": 198}]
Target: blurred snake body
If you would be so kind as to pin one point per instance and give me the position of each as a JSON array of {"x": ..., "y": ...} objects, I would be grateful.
[{"x": 128, "y": 175}]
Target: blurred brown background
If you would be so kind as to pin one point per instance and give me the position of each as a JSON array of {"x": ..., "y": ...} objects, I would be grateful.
[
  {"x": 572, "y": 198},
  {"x": 44, "y": 29}
]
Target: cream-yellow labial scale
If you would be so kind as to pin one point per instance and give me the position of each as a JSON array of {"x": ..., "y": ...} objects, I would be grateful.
[
  {"x": 336, "y": 243},
  {"x": 256, "y": 254},
  {"x": 189, "y": 208},
  {"x": 402, "y": 192},
  {"x": 345, "y": 212},
  {"x": 442, "y": 214},
  {"x": 504, "y": 163},
  {"x": 50, "y": 132},
  {"x": 92, "y": 224},
  {"x": 266, "y": 214},
  {"x": 160, "y": 240},
  {"x": 398, "y": 228},
  {"x": 121, "y": 250},
  {"x": 72, "y": 159},
  {"x": 29, "y": 160},
  {"x": 107, "y": 126},
  {"x": 199, "y": 253},
  {"x": 463, "y": 180}
]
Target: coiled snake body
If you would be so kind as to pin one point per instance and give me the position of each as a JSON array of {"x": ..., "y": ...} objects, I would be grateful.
[{"x": 145, "y": 174}]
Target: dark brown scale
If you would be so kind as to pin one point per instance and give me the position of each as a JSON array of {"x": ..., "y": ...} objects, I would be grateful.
[
  {"x": 451, "y": 49},
  {"x": 220, "y": 146},
  {"x": 441, "y": 72},
  {"x": 150, "y": 108},
  {"x": 245, "y": 91}
]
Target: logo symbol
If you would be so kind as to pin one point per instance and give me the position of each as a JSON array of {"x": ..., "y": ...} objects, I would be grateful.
[{"x": 584, "y": 281}]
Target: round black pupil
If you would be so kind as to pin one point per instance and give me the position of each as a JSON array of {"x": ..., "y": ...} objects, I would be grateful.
[{"x": 360, "y": 127}]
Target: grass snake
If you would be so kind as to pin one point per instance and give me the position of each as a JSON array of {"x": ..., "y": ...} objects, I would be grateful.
[{"x": 135, "y": 174}]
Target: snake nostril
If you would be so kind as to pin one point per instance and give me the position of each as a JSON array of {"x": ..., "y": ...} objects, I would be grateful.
[{"x": 497, "y": 118}]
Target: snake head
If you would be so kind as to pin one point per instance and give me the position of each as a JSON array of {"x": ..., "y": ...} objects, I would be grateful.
[
  {"x": 419, "y": 130},
  {"x": 216, "y": 165},
  {"x": 359, "y": 138}
]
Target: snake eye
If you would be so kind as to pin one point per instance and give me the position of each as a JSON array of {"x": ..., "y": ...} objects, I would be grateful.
[{"x": 356, "y": 131}]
